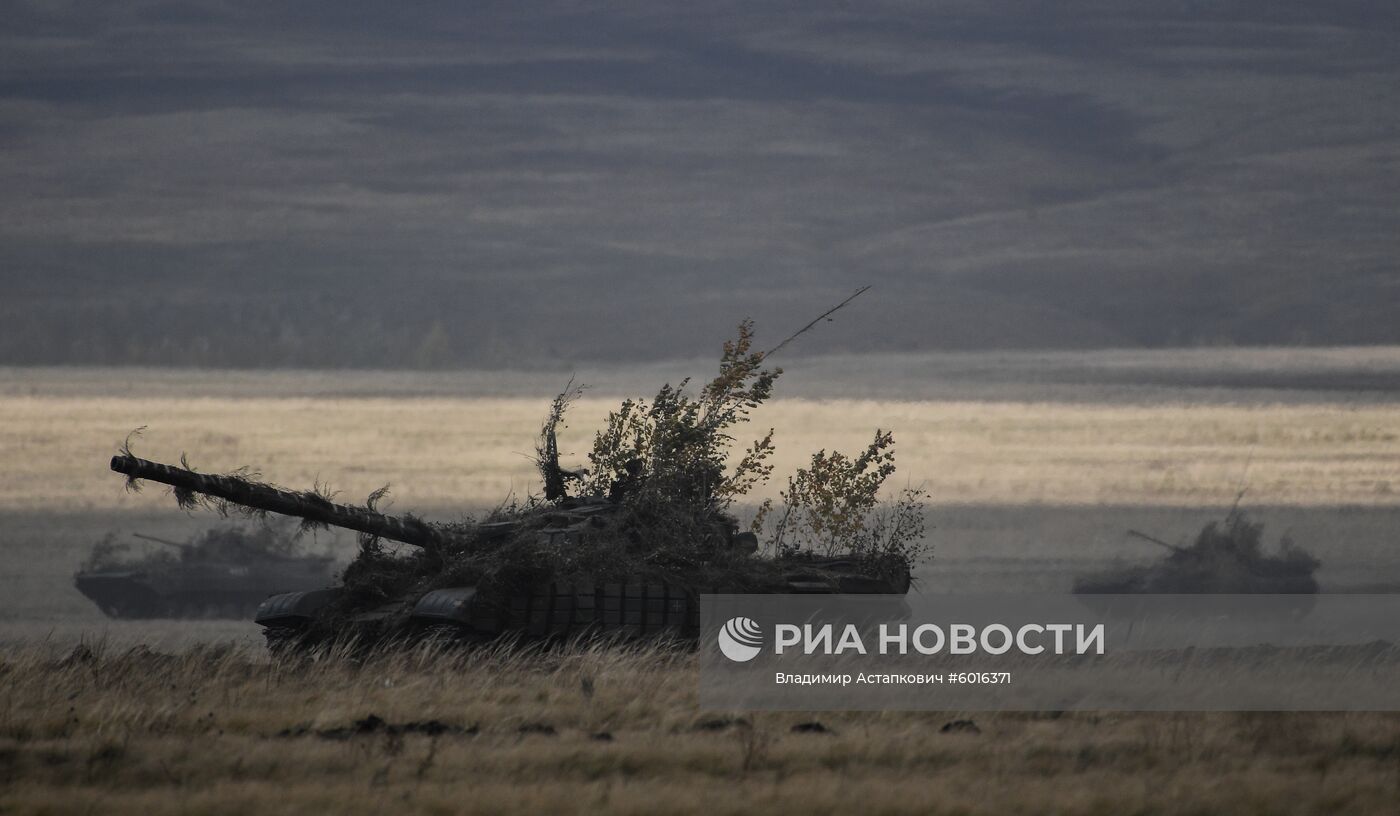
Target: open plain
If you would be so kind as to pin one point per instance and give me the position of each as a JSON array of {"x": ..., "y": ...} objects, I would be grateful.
[{"x": 1036, "y": 465}]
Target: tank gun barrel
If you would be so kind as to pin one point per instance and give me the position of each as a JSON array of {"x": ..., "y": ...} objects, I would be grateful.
[
  {"x": 1159, "y": 542},
  {"x": 306, "y": 506},
  {"x": 155, "y": 540}
]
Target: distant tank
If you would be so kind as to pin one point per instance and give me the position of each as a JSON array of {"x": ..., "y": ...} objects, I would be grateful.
[
  {"x": 530, "y": 583},
  {"x": 225, "y": 572},
  {"x": 1227, "y": 558}
]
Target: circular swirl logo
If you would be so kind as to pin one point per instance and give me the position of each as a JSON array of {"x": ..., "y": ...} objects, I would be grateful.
[{"x": 740, "y": 639}]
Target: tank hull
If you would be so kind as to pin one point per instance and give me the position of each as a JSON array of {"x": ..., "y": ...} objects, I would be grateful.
[
  {"x": 550, "y": 612},
  {"x": 200, "y": 590}
]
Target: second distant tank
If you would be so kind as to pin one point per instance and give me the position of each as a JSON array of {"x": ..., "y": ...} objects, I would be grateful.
[
  {"x": 1227, "y": 558},
  {"x": 224, "y": 572}
]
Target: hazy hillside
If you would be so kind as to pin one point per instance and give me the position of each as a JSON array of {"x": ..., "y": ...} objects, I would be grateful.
[{"x": 495, "y": 184}]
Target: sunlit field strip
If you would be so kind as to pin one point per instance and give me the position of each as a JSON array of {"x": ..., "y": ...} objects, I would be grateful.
[{"x": 440, "y": 453}]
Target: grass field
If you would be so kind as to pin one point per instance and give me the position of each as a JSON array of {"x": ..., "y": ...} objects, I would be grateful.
[
  {"x": 1036, "y": 465},
  {"x": 214, "y": 730}
]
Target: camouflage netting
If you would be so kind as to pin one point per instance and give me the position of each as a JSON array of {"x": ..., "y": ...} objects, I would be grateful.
[{"x": 653, "y": 504}]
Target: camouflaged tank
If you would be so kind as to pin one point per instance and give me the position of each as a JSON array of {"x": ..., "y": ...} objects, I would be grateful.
[
  {"x": 1226, "y": 559},
  {"x": 225, "y": 572},
  {"x": 538, "y": 606}
]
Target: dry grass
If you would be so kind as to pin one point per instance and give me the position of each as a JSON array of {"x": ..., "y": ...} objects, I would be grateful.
[
  {"x": 446, "y": 452},
  {"x": 216, "y": 730}
]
